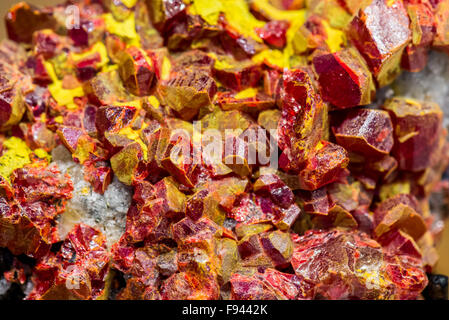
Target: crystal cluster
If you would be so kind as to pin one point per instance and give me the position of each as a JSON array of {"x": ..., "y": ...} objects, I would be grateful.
[{"x": 229, "y": 149}]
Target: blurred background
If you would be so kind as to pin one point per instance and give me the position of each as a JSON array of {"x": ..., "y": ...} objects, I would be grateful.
[
  {"x": 6, "y": 4},
  {"x": 443, "y": 248}
]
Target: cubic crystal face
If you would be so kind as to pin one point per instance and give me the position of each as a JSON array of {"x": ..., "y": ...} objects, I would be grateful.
[
  {"x": 380, "y": 31},
  {"x": 344, "y": 78}
]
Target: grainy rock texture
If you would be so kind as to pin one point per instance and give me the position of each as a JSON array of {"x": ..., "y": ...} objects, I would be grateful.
[
  {"x": 105, "y": 212},
  {"x": 431, "y": 84}
]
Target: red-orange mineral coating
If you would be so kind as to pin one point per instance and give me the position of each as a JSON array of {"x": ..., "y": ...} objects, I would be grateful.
[
  {"x": 82, "y": 262},
  {"x": 365, "y": 131},
  {"x": 341, "y": 262},
  {"x": 417, "y": 126},
  {"x": 137, "y": 71},
  {"x": 380, "y": 32},
  {"x": 344, "y": 78},
  {"x": 27, "y": 213},
  {"x": 340, "y": 212}
]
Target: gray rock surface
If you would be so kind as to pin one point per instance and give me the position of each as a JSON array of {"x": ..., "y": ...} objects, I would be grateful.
[
  {"x": 105, "y": 212},
  {"x": 431, "y": 84}
]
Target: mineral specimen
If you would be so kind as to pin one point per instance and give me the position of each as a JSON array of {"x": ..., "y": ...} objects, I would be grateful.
[
  {"x": 234, "y": 149},
  {"x": 381, "y": 31},
  {"x": 344, "y": 78}
]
